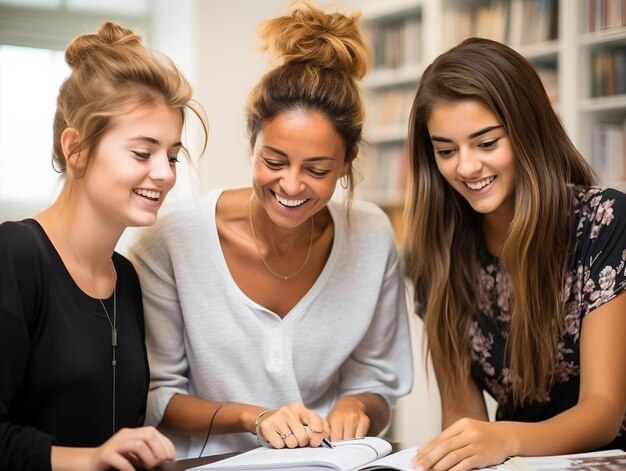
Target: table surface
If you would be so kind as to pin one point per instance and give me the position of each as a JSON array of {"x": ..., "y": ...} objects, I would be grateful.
[{"x": 182, "y": 465}]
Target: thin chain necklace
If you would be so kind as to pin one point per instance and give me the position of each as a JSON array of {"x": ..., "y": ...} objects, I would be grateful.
[
  {"x": 112, "y": 323},
  {"x": 256, "y": 244}
]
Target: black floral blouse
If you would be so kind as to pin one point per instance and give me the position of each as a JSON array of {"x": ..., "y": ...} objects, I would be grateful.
[{"x": 597, "y": 275}]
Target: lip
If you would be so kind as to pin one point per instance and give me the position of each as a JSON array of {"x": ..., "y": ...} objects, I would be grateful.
[
  {"x": 151, "y": 202},
  {"x": 278, "y": 197},
  {"x": 481, "y": 185}
]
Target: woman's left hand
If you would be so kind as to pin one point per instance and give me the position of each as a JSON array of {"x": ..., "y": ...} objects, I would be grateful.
[
  {"x": 348, "y": 419},
  {"x": 466, "y": 444}
]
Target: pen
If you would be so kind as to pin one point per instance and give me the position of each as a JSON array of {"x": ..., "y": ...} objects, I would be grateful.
[{"x": 325, "y": 441}]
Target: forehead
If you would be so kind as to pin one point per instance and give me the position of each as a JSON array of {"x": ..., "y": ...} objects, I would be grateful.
[
  {"x": 298, "y": 131},
  {"x": 459, "y": 118}
]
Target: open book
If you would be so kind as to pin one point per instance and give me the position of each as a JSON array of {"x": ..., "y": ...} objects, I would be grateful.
[
  {"x": 593, "y": 461},
  {"x": 359, "y": 454},
  {"x": 371, "y": 453}
]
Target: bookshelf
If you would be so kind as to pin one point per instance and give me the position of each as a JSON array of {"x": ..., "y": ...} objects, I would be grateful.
[{"x": 577, "y": 46}]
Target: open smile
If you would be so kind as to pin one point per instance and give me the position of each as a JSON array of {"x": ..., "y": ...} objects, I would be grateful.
[
  {"x": 289, "y": 203},
  {"x": 479, "y": 185},
  {"x": 152, "y": 195}
]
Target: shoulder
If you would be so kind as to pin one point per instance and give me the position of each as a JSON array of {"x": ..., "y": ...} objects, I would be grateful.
[
  {"x": 365, "y": 224},
  {"x": 177, "y": 224},
  {"x": 20, "y": 240},
  {"x": 599, "y": 211},
  {"x": 362, "y": 214}
]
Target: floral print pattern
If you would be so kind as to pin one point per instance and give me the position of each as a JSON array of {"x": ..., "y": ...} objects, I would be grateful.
[{"x": 597, "y": 275}]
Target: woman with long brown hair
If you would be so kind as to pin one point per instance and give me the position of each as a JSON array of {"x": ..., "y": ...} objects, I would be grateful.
[{"x": 518, "y": 266}]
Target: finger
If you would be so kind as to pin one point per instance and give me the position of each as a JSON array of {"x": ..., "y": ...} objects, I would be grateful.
[
  {"x": 458, "y": 459},
  {"x": 291, "y": 441},
  {"x": 300, "y": 433},
  {"x": 444, "y": 454},
  {"x": 163, "y": 447},
  {"x": 147, "y": 446},
  {"x": 336, "y": 429},
  {"x": 117, "y": 461},
  {"x": 363, "y": 426},
  {"x": 275, "y": 438},
  {"x": 316, "y": 437}
]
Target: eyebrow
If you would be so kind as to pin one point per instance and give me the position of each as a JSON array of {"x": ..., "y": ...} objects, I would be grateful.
[
  {"x": 151, "y": 140},
  {"x": 471, "y": 136},
  {"x": 284, "y": 154}
]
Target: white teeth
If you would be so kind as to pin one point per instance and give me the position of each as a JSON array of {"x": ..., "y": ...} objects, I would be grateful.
[
  {"x": 151, "y": 194},
  {"x": 290, "y": 203},
  {"x": 480, "y": 184}
]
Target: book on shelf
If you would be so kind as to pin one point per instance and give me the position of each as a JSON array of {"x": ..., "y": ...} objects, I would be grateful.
[
  {"x": 608, "y": 153},
  {"x": 372, "y": 453},
  {"x": 396, "y": 43},
  {"x": 604, "y": 14}
]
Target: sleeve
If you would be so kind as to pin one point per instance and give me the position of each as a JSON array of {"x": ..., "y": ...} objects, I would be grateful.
[
  {"x": 382, "y": 363},
  {"x": 21, "y": 447},
  {"x": 603, "y": 250},
  {"x": 150, "y": 254}
]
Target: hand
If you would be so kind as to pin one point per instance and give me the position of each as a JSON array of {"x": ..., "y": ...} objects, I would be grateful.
[
  {"x": 143, "y": 447},
  {"x": 347, "y": 419},
  {"x": 466, "y": 444},
  {"x": 292, "y": 426}
]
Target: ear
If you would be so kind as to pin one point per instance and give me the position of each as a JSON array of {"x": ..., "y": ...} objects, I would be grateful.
[{"x": 70, "y": 140}]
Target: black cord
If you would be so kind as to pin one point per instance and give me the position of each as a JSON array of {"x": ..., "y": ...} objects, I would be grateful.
[{"x": 208, "y": 432}]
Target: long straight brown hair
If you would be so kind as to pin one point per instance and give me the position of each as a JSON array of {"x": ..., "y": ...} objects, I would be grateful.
[{"x": 445, "y": 235}]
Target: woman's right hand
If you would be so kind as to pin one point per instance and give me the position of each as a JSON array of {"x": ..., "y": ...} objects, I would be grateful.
[
  {"x": 291, "y": 426},
  {"x": 143, "y": 447}
]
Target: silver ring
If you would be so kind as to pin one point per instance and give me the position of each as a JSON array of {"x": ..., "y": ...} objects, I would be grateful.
[{"x": 286, "y": 435}]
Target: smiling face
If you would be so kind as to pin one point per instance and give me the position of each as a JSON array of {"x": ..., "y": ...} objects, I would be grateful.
[
  {"x": 134, "y": 166},
  {"x": 298, "y": 158},
  {"x": 474, "y": 155}
]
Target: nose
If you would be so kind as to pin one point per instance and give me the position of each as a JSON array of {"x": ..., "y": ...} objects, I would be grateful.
[
  {"x": 161, "y": 169},
  {"x": 469, "y": 164},
  {"x": 291, "y": 182}
]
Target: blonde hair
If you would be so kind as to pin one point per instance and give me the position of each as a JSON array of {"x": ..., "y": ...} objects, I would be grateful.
[
  {"x": 113, "y": 74},
  {"x": 445, "y": 234},
  {"x": 319, "y": 59}
]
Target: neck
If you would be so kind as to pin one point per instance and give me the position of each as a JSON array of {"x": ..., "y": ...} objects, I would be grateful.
[
  {"x": 496, "y": 229},
  {"x": 275, "y": 238},
  {"x": 91, "y": 235}
]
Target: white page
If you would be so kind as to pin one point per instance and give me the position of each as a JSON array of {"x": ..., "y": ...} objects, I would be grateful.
[
  {"x": 400, "y": 461},
  {"x": 346, "y": 455}
]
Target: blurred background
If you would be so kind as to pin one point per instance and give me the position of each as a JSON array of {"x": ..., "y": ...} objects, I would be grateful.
[{"x": 577, "y": 46}]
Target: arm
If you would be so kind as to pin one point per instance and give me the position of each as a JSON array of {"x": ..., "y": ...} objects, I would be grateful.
[
  {"x": 190, "y": 414},
  {"x": 596, "y": 417},
  {"x": 141, "y": 447},
  {"x": 467, "y": 402},
  {"x": 168, "y": 330}
]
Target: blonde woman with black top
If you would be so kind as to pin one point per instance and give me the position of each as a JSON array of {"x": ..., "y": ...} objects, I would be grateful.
[{"x": 73, "y": 365}]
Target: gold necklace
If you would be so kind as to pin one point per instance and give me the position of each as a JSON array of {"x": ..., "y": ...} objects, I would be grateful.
[
  {"x": 112, "y": 323},
  {"x": 256, "y": 244}
]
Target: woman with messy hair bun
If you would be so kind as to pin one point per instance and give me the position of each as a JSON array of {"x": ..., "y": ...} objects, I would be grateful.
[
  {"x": 279, "y": 312},
  {"x": 73, "y": 364}
]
